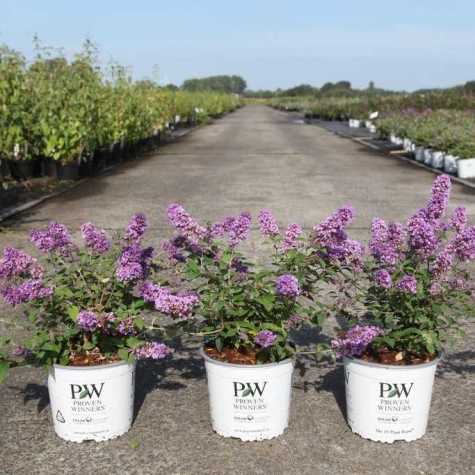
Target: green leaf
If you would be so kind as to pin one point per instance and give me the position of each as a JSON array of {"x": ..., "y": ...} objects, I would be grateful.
[
  {"x": 124, "y": 354},
  {"x": 246, "y": 392},
  {"x": 392, "y": 393},
  {"x": 83, "y": 394},
  {"x": 73, "y": 312}
]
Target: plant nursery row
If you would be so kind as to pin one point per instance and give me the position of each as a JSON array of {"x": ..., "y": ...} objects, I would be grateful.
[
  {"x": 438, "y": 129},
  {"x": 96, "y": 305},
  {"x": 72, "y": 113},
  {"x": 361, "y": 107}
]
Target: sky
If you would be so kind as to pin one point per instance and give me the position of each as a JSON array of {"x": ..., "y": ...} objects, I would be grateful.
[{"x": 401, "y": 44}]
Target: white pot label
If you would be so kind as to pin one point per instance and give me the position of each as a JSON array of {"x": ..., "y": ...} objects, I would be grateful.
[
  {"x": 388, "y": 404},
  {"x": 92, "y": 403}
]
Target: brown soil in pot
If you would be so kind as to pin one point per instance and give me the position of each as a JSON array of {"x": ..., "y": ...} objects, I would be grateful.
[
  {"x": 232, "y": 355},
  {"x": 91, "y": 358},
  {"x": 396, "y": 358}
]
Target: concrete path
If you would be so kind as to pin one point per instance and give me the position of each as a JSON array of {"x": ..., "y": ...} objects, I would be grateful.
[{"x": 253, "y": 158}]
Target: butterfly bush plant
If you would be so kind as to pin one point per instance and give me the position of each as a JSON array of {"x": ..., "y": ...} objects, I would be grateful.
[
  {"x": 83, "y": 303},
  {"x": 419, "y": 288},
  {"x": 243, "y": 307}
]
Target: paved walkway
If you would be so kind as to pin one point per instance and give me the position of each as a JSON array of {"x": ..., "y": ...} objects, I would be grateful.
[{"x": 253, "y": 158}]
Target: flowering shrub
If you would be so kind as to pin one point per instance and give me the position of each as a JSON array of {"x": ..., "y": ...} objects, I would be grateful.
[
  {"x": 85, "y": 304},
  {"x": 244, "y": 306},
  {"x": 419, "y": 285}
]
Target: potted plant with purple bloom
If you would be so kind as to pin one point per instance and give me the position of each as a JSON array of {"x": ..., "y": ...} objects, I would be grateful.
[
  {"x": 85, "y": 311},
  {"x": 418, "y": 295},
  {"x": 247, "y": 307}
]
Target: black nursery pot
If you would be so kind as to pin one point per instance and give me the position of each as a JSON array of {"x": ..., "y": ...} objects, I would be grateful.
[
  {"x": 24, "y": 169},
  {"x": 68, "y": 171}
]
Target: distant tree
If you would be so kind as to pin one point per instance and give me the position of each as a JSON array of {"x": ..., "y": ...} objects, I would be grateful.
[
  {"x": 343, "y": 85},
  {"x": 301, "y": 90},
  {"x": 171, "y": 86},
  {"x": 371, "y": 86},
  {"x": 469, "y": 87},
  {"x": 230, "y": 84}
]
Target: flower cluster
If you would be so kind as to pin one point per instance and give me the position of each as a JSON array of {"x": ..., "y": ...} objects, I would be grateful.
[
  {"x": 265, "y": 338},
  {"x": 136, "y": 228},
  {"x": 21, "y": 278},
  {"x": 95, "y": 239},
  {"x": 185, "y": 224},
  {"x": 330, "y": 235},
  {"x": 177, "y": 306},
  {"x": 17, "y": 263},
  {"x": 133, "y": 263},
  {"x": 152, "y": 350},
  {"x": 235, "y": 227},
  {"x": 268, "y": 223},
  {"x": 291, "y": 235},
  {"x": 87, "y": 321},
  {"x": 55, "y": 237},
  {"x": 356, "y": 340},
  {"x": 26, "y": 292},
  {"x": 287, "y": 285},
  {"x": 407, "y": 284}
]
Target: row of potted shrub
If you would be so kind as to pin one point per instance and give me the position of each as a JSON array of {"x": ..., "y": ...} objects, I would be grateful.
[
  {"x": 72, "y": 112},
  {"x": 343, "y": 108},
  {"x": 441, "y": 139},
  {"x": 97, "y": 308}
]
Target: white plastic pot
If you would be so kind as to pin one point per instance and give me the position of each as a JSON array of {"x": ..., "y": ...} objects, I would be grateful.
[
  {"x": 437, "y": 159},
  {"x": 250, "y": 402},
  {"x": 372, "y": 129},
  {"x": 408, "y": 145},
  {"x": 427, "y": 156},
  {"x": 386, "y": 403},
  {"x": 419, "y": 154},
  {"x": 450, "y": 164},
  {"x": 92, "y": 402},
  {"x": 351, "y": 123},
  {"x": 368, "y": 124},
  {"x": 466, "y": 168}
]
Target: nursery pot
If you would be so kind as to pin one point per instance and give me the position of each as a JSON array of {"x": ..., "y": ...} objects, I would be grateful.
[
  {"x": 437, "y": 159},
  {"x": 92, "y": 402},
  {"x": 450, "y": 164},
  {"x": 466, "y": 168},
  {"x": 419, "y": 154},
  {"x": 250, "y": 402},
  {"x": 386, "y": 403}
]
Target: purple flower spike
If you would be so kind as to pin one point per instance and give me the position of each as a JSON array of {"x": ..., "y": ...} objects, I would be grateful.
[
  {"x": 288, "y": 286},
  {"x": 185, "y": 223},
  {"x": 95, "y": 239},
  {"x": 54, "y": 238},
  {"x": 136, "y": 227},
  {"x": 87, "y": 321},
  {"x": 440, "y": 197},
  {"x": 356, "y": 340},
  {"x": 265, "y": 338},
  {"x": 407, "y": 284},
  {"x": 383, "y": 279},
  {"x": 268, "y": 223},
  {"x": 26, "y": 292},
  {"x": 292, "y": 233},
  {"x": 152, "y": 350}
]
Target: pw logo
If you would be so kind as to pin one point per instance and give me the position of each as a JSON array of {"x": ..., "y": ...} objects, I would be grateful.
[
  {"x": 80, "y": 391},
  {"x": 392, "y": 390},
  {"x": 246, "y": 389}
]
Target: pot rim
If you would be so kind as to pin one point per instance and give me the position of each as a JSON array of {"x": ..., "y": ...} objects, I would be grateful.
[
  {"x": 247, "y": 366},
  {"x": 94, "y": 367},
  {"x": 435, "y": 361}
]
